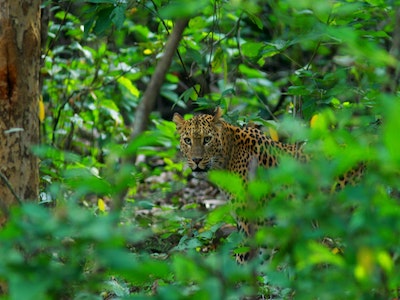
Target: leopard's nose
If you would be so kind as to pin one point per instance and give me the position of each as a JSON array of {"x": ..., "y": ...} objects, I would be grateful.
[{"x": 197, "y": 160}]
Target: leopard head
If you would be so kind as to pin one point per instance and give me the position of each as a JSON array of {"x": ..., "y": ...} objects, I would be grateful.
[{"x": 200, "y": 140}]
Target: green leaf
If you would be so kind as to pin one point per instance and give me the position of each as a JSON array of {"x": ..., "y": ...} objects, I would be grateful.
[
  {"x": 186, "y": 269},
  {"x": 118, "y": 15},
  {"x": 190, "y": 93},
  {"x": 360, "y": 47},
  {"x": 195, "y": 55},
  {"x": 250, "y": 72},
  {"x": 115, "y": 258},
  {"x": 316, "y": 254},
  {"x": 258, "y": 189},
  {"x": 391, "y": 129},
  {"x": 252, "y": 49},
  {"x": 298, "y": 90},
  {"x": 229, "y": 182},
  {"x": 28, "y": 288},
  {"x": 149, "y": 269},
  {"x": 118, "y": 287},
  {"x": 102, "y": 1},
  {"x": 126, "y": 83},
  {"x": 182, "y": 8},
  {"x": 144, "y": 140},
  {"x": 219, "y": 61},
  {"x": 256, "y": 20},
  {"x": 145, "y": 204},
  {"x": 46, "y": 151},
  {"x": 84, "y": 181},
  {"x": 103, "y": 21}
]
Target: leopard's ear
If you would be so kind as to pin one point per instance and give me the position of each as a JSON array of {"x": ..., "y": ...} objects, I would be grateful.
[
  {"x": 178, "y": 120},
  {"x": 217, "y": 115}
]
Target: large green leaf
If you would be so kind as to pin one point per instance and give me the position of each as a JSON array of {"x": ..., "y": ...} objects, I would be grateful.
[
  {"x": 183, "y": 8},
  {"x": 229, "y": 182}
]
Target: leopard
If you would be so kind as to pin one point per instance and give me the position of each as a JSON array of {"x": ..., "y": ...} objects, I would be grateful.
[{"x": 208, "y": 142}]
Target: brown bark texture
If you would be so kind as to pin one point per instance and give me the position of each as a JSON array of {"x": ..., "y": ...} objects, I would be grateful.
[{"x": 19, "y": 95}]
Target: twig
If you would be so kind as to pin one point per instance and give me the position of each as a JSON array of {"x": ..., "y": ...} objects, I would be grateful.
[
  {"x": 7, "y": 183},
  {"x": 178, "y": 53}
]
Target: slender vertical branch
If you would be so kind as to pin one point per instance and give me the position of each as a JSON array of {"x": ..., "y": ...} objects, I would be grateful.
[
  {"x": 150, "y": 95},
  {"x": 153, "y": 89},
  {"x": 8, "y": 184}
]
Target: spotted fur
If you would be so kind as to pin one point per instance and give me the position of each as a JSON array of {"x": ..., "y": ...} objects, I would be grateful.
[{"x": 208, "y": 142}]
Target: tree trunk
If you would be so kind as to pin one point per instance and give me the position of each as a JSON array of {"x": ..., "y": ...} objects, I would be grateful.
[{"x": 19, "y": 95}]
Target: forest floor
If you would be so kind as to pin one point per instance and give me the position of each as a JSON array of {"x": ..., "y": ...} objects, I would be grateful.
[{"x": 176, "y": 209}]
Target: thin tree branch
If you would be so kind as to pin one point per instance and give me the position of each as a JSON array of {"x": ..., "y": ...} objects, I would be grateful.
[
  {"x": 177, "y": 50},
  {"x": 8, "y": 184},
  {"x": 150, "y": 96},
  {"x": 153, "y": 89}
]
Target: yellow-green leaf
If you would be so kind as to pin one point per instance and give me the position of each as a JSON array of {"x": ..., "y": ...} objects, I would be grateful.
[
  {"x": 101, "y": 205},
  {"x": 274, "y": 134},
  {"x": 125, "y": 82},
  {"x": 41, "y": 109}
]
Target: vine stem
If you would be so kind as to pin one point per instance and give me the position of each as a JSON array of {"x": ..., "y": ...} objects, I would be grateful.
[{"x": 8, "y": 184}]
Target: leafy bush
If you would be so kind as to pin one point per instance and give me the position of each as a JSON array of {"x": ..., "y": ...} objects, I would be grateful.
[{"x": 328, "y": 243}]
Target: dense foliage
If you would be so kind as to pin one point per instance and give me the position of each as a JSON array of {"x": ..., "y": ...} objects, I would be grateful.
[{"x": 325, "y": 72}]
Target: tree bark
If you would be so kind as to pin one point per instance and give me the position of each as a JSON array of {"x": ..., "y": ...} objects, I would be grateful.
[{"x": 19, "y": 95}]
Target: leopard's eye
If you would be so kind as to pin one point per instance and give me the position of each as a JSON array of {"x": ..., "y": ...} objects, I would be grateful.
[
  {"x": 207, "y": 139},
  {"x": 188, "y": 141}
]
